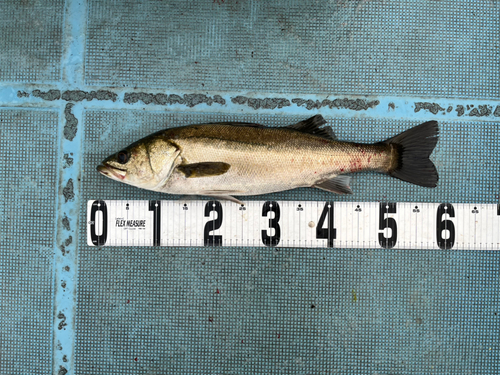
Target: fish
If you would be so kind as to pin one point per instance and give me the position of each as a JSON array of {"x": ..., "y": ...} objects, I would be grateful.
[{"x": 224, "y": 160}]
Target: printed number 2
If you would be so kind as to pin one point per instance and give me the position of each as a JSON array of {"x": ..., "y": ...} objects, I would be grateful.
[
  {"x": 210, "y": 239},
  {"x": 387, "y": 222},
  {"x": 329, "y": 233},
  {"x": 268, "y": 240}
]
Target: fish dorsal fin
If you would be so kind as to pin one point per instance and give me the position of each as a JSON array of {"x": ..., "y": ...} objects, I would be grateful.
[
  {"x": 312, "y": 126},
  {"x": 207, "y": 169},
  {"x": 337, "y": 185}
]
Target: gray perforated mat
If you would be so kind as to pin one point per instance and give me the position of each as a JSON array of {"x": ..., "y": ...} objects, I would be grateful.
[{"x": 80, "y": 80}]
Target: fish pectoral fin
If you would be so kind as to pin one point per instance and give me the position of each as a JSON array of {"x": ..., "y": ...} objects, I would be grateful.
[
  {"x": 312, "y": 126},
  {"x": 206, "y": 169},
  {"x": 337, "y": 185}
]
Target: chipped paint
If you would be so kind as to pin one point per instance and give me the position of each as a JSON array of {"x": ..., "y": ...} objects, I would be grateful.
[
  {"x": 68, "y": 160},
  {"x": 266, "y": 103},
  {"x": 68, "y": 192},
  {"x": 71, "y": 95},
  {"x": 48, "y": 95},
  {"x": 71, "y": 126},
  {"x": 79, "y": 95},
  {"x": 352, "y": 104},
  {"x": 434, "y": 108},
  {"x": 62, "y": 323},
  {"x": 309, "y": 104},
  {"x": 481, "y": 111},
  {"x": 65, "y": 223},
  {"x": 189, "y": 100}
]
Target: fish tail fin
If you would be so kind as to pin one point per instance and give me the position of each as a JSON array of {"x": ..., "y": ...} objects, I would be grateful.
[{"x": 413, "y": 148}]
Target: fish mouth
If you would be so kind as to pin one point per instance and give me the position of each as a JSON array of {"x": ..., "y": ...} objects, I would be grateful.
[{"x": 111, "y": 172}]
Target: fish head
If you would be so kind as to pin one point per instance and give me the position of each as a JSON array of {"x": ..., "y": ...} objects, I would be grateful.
[{"x": 146, "y": 164}]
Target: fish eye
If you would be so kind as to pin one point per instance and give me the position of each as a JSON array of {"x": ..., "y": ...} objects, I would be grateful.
[{"x": 122, "y": 157}]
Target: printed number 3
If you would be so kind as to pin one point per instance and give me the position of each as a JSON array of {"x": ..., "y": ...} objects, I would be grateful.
[{"x": 267, "y": 239}]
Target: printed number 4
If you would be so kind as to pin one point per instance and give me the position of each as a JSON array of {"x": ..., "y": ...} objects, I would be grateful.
[{"x": 329, "y": 233}]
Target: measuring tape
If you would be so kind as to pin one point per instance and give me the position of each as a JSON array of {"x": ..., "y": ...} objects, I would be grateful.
[{"x": 307, "y": 224}]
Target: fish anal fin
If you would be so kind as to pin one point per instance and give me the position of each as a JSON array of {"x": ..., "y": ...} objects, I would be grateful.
[
  {"x": 226, "y": 198},
  {"x": 205, "y": 169},
  {"x": 337, "y": 185},
  {"x": 312, "y": 126}
]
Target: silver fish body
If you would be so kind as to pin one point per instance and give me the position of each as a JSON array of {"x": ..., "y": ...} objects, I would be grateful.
[{"x": 221, "y": 160}]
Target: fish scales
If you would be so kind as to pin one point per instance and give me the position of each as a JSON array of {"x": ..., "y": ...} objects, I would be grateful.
[{"x": 265, "y": 160}]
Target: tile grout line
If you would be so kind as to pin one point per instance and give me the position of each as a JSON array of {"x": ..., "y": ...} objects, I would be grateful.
[
  {"x": 68, "y": 198},
  {"x": 333, "y": 106}
]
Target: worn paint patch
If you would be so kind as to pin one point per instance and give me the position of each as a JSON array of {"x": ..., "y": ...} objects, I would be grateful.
[
  {"x": 49, "y": 95},
  {"x": 71, "y": 95},
  {"x": 481, "y": 111},
  {"x": 273, "y": 103},
  {"x": 71, "y": 126},
  {"x": 65, "y": 223},
  {"x": 434, "y": 108},
  {"x": 62, "y": 323},
  {"x": 68, "y": 161},
  {"x": 79, "y": 95},
  {"x": 189, "y": 100},
  {"x": 66, "y": 243},
  {"x": 69, "y": 194},
  {"x": 352, "y": 104},
  {"x": 267, "y": 103}
]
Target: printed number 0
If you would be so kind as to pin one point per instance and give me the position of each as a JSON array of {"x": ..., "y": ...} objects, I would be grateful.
[{"x": 99, "y": 240}]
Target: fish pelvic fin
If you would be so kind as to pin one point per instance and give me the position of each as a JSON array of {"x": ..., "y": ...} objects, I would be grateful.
[{"x": 410, "y": 155}]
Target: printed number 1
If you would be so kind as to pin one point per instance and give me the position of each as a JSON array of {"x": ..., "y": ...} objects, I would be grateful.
[{"x": 155, "y": 206}]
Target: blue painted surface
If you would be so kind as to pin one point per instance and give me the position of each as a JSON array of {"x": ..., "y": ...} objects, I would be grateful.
[{"x": 177, "y": 310}]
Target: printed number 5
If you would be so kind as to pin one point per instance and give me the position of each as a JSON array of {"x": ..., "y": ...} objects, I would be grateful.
[{"x": 387, "y": 223}]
